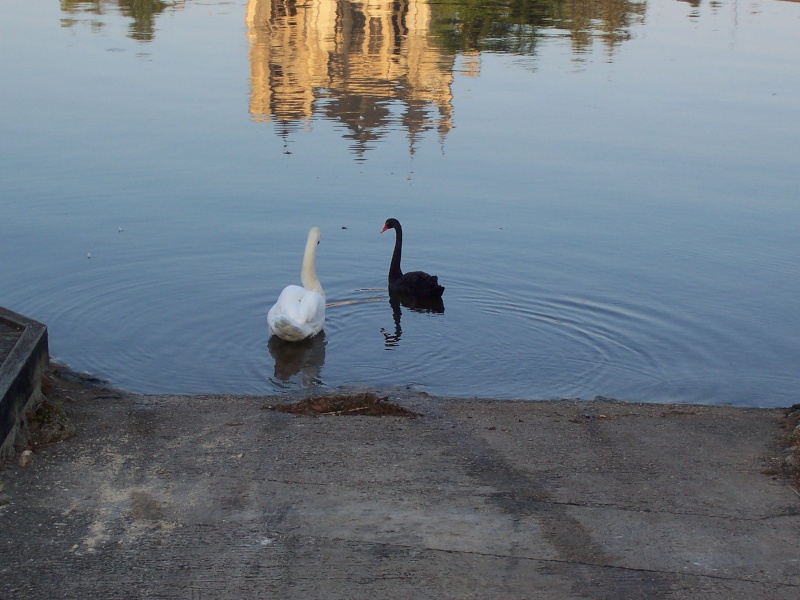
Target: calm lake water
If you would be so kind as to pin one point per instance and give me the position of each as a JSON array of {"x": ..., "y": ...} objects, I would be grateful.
[{"x": 609, "y": 191}]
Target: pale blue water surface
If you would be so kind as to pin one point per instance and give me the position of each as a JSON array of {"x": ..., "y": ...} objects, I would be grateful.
[{"x": 611, "y": 194}]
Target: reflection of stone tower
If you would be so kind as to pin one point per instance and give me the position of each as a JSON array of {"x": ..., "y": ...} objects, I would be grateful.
[
  {"x": 288, "y": 56},
  {"x": 362, "y": 63},
  {"x": 470, "y": 63}
]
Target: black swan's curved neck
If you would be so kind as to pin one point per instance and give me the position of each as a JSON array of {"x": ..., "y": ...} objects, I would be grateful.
[{"x": 394, "y": 268}]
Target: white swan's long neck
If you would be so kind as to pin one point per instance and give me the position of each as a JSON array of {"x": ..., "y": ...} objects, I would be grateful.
[{"x": 308, "y": 274}]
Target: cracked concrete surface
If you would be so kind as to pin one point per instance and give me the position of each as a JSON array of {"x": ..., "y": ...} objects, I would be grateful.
[{"x": 213, "y": 497}]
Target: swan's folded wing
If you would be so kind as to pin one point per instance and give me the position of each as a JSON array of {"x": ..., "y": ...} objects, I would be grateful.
[
  {"x": 313, "y": 308},
  {"x": 298, "y": 313}
]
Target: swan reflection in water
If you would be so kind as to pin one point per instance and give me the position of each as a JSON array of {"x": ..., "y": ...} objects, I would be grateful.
[
  {"x": 303, "y": 359},
  {"x": 423, "y": 305}
]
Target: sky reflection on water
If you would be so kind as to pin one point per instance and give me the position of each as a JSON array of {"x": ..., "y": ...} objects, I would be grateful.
[{"x": 608, "y": 191}]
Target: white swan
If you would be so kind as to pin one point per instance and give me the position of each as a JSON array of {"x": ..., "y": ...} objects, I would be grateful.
[{"x": 299, "y": 312}]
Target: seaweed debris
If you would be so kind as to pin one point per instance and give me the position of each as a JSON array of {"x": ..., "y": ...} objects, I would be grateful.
[{"x": 368, "y": 404}]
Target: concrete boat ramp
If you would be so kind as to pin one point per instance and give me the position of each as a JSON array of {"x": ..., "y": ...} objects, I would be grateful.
[{"x": 218, "y": 497}]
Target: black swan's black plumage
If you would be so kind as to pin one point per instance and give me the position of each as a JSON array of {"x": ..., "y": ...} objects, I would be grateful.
[{"x": 416, "y": 284}]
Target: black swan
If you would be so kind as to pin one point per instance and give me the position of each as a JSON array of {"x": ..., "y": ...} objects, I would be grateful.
[{"x": 415, "y": 285}]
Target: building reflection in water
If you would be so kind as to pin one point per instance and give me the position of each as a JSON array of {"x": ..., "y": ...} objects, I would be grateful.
[
  {"x": 368, "y": 66},
  {"x": 379, "y": 65}
]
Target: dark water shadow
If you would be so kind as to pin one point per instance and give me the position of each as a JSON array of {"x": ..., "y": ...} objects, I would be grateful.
[
  {"x": 422, "y": 305},
  {"x": 302, "y": 360}
]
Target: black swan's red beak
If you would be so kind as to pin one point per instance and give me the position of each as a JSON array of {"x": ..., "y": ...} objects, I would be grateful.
[{"x": 385, "y": 227}]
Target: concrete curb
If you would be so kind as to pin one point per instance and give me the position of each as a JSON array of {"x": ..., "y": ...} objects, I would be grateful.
[
  {"x": 20, "y": 375},
  {"x": 218, "y": 497}
]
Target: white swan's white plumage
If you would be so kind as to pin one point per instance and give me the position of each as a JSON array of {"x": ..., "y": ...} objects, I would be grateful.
[{"x": 299, "y": 312}]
